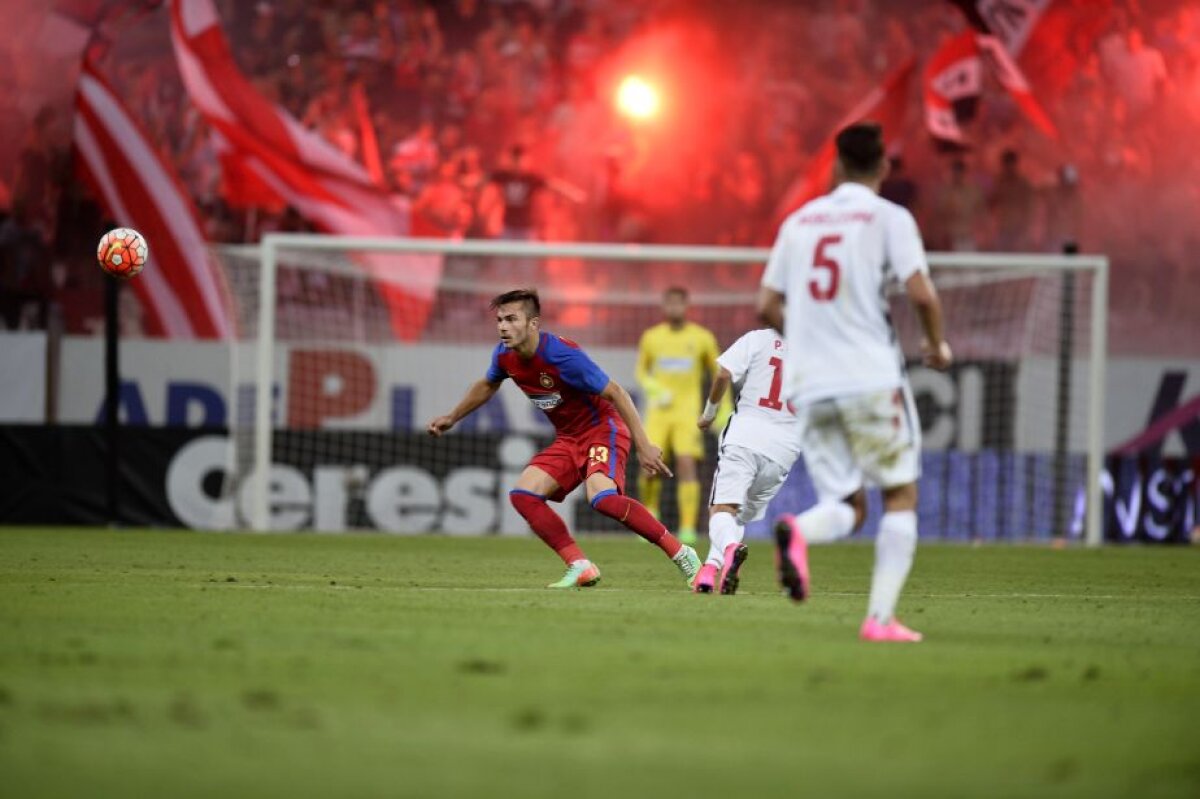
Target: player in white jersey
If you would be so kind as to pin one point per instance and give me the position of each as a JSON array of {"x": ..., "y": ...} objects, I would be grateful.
[
  {"x": 757, "y": 451},
  {"x": 831, "y": 264}
]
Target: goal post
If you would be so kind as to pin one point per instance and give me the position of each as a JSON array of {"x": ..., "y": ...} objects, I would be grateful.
[
  {"x": 264, "y": 381},
  {"x": 1097, "y": 388},
  {"x": 1009, "y": 316}
]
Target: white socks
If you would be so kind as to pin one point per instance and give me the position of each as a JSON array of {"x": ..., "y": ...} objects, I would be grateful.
[
  {"x": 826, "y": 521},
  {"x": 894, "y": 548},
  {"x": 723, "y": 530},
  {"x": 822, "y": 523},
  {"x": 829, "y": 521}
]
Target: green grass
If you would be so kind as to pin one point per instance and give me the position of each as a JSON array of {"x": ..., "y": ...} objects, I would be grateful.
[{"x": 184, "y": 664}]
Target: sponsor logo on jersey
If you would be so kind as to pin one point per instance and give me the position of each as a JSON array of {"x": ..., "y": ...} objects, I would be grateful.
[
  {"x": 823, "y": 218},
  {"x": 546, "y": 380},
  {"x": 666, "y": 364},
  {"x": 546, "y": 402}
]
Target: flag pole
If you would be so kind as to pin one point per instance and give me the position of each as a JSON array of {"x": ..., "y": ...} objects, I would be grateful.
[{"x": 112, "y": 389}]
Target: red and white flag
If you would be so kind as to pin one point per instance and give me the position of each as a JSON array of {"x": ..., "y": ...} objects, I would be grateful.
[
  {"x": 1053, "y": 40},
  {"x": 274, "y": 154},
  {"x": 181, "y": 291},
  {"x": 220, "y": 90},
  {"x": 885, "y": 104},
  {"x": 953, "y": 82},
  {"x": 1048, "y": 40},
  {"x": 1009, "y": 75}
]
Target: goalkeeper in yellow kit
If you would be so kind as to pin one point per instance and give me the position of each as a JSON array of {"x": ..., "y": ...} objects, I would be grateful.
[{"x": 673, "y": 357}]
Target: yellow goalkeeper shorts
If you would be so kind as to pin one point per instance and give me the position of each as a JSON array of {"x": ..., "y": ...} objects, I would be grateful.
[{"x": 676, "y": 433}]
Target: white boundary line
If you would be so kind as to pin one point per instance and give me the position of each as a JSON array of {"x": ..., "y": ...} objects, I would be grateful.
[{"x": 604, "y": 590}]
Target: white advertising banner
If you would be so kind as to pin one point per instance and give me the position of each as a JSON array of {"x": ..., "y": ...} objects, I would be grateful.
[
  {"x": 328, "y": 386},
  {"x": 1140, "y": 390},
  {"x": 22, "y": 377},
  {"x": 338, "y": 386}
]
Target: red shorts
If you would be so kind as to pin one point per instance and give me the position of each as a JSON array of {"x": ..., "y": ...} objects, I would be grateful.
[{"x": 570, "y": 460}]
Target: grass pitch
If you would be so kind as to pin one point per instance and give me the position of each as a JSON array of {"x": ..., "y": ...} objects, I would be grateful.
[{"x": 181, "y": 664}]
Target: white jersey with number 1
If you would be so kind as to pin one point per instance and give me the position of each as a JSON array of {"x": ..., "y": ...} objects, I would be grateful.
[
  {"x": 762, "y": 422},
  {"x": 833, "y": 259}
]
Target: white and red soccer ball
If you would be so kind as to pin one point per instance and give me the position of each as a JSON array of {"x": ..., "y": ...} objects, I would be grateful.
[{"x": 122, "y": 252}]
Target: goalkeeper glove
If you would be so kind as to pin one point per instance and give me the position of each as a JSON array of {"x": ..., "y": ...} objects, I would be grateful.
[{"x": 656, "y": 395}]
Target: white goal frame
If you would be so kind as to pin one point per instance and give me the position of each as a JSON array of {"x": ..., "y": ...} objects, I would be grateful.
[{"x": 273, "y": 243}]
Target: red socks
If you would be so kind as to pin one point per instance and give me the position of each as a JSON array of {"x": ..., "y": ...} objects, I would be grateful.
[
  {"x": 547, "y": 524},
  {"x": 634, "y": 515},
  {"x": 550, "y": 527}
]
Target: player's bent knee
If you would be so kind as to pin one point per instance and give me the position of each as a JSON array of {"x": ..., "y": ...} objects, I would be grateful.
[
  {"x": 685, "y": 467},
  {"x": 597, "y": 499},
  {"x": 536, "y": 481},
  {"x": 597, "y": 484},
  {"x": 520, "y": 498},
  {"x": 900, "y": 498},
  {"x": 858, "y": 503}
]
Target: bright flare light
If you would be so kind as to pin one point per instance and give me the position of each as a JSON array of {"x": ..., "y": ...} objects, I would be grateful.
[{"x": 636, "y": 98}]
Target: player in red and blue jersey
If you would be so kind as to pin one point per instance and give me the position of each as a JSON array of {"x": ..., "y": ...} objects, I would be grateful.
[{"x": 594, "y": 420}]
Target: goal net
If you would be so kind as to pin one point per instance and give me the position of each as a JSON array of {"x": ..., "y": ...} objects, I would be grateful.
[{"x": 350, "y": 347}]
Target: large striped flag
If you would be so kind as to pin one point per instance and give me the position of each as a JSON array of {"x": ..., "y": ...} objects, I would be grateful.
[
  {"x": 324, "y": 185},
  {"x": 1049, "y": 40},
  {"x": 885, "y": 104},
  {"x": 181, "y": 291},
  {"x": 1009, "y": 75},
  {"x": 954, "y": 84},
  {"x": 225, "y": 96}
]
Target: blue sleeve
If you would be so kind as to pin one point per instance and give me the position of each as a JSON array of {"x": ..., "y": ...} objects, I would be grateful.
[
  {"x": 577, "y": 370},
  {"x": 494, "y": 373}
]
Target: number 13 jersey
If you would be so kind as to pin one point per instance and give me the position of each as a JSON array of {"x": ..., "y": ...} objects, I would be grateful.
[
  {"x": 761, "y": 421},
  {"x": 833, "y": 260}
]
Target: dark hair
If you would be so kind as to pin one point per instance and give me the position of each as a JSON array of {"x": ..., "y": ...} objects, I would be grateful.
[
  {"x": 860, "y": 148},
  {"x": 533, "y": 306},
  {"x": 678, "y": 290}
]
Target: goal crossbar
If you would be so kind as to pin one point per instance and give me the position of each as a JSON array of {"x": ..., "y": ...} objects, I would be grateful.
[{"x": 649, "y": 253}]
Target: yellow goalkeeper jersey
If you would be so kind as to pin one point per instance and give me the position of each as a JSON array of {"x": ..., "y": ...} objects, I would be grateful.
[{"x": 671, "y": 365}]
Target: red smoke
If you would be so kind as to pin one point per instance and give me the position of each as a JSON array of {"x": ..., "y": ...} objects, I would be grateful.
[{"x": 683, "y": 62}]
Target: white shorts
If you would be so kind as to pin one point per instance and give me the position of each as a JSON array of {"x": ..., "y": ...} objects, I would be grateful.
[
  {"x": 861, "y": 439},
  {"x": 746, "y": 478}
]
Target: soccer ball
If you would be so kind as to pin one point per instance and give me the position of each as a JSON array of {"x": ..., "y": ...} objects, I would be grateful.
[{"x": 122, "y": 252}]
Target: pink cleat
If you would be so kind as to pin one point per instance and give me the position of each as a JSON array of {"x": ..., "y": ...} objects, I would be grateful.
[
  {"x": 735, "y": 556},
  {"x": 791, "y": 557},
  {"x": 705, "y": 578},
  {"x": 892, "y": 631}
]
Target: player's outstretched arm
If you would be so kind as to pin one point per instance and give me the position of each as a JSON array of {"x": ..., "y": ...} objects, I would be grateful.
[
  {"x": 716, "y": 393},
  {"x": 928, "y": 307},
  {"x": 480, "y": 392},
  {"x": 770, "y": 308},
  {"x": 649, "y": 455}
]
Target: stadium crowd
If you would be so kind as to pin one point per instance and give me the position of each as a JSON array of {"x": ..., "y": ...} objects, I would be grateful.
[{"x": 492, "y": 120}]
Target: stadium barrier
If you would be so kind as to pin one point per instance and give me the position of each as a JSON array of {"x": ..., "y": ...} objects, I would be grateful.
[{"x": 174, "y": 477}]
